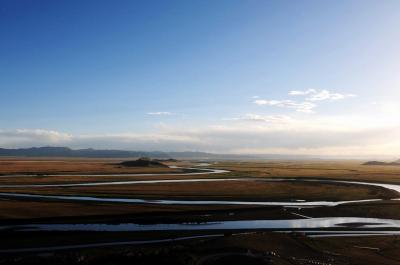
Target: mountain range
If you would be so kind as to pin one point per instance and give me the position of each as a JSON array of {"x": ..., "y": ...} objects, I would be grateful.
[{"x": 50, "y": 151}]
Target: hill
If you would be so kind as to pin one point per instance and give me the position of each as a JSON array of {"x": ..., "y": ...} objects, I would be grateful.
[
  {"x": 142, "y": 162},
  {"x": 380, "y": 163}
]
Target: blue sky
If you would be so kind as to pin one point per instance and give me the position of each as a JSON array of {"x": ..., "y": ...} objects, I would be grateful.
[{"x": 202, "y": 75}]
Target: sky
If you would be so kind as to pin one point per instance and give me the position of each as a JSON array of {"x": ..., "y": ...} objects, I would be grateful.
[{"x": 245, "y": 77}]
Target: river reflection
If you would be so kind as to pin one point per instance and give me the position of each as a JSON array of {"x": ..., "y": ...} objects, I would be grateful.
[
  {"x": 179, "y": 202},
  {"x": 294, "y": 224}
]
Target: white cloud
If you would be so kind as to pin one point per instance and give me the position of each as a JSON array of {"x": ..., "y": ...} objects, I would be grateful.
[
  {"x": 326, "y": 95},
  {"x": 262, "y": 118},
  {"x": 319, "y": 95},
  {"x": 159, "y": 113},
  {"x": 300, "y": 93},
  {"x": 306, "y": 107},
  {"x": 308, "y": 104},
  {"x": 29, "y": 137}
]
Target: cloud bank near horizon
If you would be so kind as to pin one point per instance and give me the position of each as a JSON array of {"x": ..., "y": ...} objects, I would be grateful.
[
  {"x": 291, "y": 131},
  {"x": 250, "y": 134}
]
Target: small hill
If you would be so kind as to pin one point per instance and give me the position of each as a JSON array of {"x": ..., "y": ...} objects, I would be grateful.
[
  {"x": 375, "y": 163},
  {"x": 142, "y": 162},
  {"x": 166, "y": 160},
  {"x": 380, "y": 163}
]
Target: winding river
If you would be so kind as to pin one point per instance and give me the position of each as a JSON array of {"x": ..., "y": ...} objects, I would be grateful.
[
  {"x": 284, "y": 224},
  {"x": 201, "y": 171},
  {"x": 359, "y": 226}
]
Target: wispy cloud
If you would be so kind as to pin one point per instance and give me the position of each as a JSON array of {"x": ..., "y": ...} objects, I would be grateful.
[
  {"x": 301, "y": 93},
  {"x": 319, "y": 95},
  {"x": 306, "y": 107},
  {"x": 29, "y": 137},
  {"x": 262, "y": 118},
  {"x": 159, "y": 113}
]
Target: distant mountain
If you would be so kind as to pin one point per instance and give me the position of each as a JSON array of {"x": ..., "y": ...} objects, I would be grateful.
[
  {"x": 93, "y": 153},
  {"x": 68, "y": 152},
  {"x": 380, "y": 163},
  {"x": 51, "y": 151}
]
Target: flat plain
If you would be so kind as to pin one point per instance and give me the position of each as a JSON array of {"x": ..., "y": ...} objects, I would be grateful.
[{"x": 252, "y": 182}]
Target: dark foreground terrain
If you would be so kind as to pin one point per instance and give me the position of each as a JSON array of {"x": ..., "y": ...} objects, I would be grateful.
[{"x": 246, "y": 248}]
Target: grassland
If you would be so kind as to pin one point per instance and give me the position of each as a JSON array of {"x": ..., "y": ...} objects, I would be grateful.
[
  {"x": 220, "y": 190},
  {"x": 224, "y": 190},
  {"x": 73, "y": 166},
  {"x": 258, "y": 247},
  {"x": 337, "y": 169}
]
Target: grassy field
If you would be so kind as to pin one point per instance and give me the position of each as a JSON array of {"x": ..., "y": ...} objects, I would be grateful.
[
  {"x": 224, "y": 190},
  {"x": 258, "y": 247},
  {"x": 72, "y": 166},
  {"x": 347, "y": 169},
  {"x": 228, "y": 190}
]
